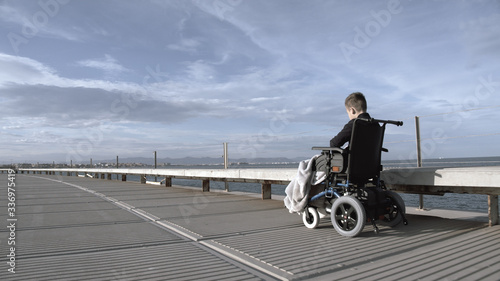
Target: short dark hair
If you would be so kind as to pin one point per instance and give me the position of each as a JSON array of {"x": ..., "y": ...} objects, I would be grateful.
[{"x": 356, "y": 100}]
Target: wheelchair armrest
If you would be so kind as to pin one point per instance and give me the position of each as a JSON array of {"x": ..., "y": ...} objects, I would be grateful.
[{"x": 327, "y": 148}]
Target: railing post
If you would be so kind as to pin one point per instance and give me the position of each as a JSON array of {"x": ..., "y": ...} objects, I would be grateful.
[
  {"x": 226, "y": 164},
  {"x": 156, "y": 179},
  {"x": 117, "y": 166},
  {"x": 143, "y": 178},
  {"x": 124, "y": 177}
]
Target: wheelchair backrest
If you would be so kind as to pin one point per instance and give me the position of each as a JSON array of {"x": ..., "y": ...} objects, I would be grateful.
[{"x": 365, "y": 150}]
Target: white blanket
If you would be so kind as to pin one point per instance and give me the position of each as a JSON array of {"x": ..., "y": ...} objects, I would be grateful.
[{"x": 297, "y": 192}]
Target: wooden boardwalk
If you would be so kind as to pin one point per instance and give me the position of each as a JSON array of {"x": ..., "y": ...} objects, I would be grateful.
[{"x": 71, "y": 228}]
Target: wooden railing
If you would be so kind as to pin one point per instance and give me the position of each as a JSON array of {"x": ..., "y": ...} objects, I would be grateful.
[
  {"x": 473, "y": 180},
  {"x": 266, "y": 177}
]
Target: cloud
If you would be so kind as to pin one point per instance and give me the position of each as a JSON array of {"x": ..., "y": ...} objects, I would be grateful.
[
  {"x": 181, "y": 73},
  {"x": 75, "y": 107},
  {"x": 107, "y": 64},
  {"x": 32, "y": 20},
  {"x": 189, "y": 45},
  {"x": 480, "y": 36},
  {"x": 22, "y": 70}
]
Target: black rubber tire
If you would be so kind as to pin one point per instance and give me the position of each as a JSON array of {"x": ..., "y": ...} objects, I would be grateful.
[
  {"x": 348, "y": 216},
  {"x": 393, "y": 216}
]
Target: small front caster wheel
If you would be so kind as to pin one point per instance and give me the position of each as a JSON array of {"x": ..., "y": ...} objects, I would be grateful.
[{"x": 310, "y": 217}]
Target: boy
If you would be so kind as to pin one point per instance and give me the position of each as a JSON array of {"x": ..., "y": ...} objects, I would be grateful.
[{"x": 355, "y": 105}]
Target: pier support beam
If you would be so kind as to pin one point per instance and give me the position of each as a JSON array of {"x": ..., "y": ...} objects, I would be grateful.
[
  {"x": 266, "y": 191},
  {"x": 168, "y": 182},
  {"x": 493, "y": 209},
  {"x": 109, "y": 176},
  {"x": 206, "y": 185}
]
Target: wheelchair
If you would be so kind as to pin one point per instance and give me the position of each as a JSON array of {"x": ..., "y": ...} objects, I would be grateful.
[{"x": 352, "y": 192}]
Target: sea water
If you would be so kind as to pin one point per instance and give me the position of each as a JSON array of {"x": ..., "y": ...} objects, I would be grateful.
[{"x": 450, "y": 201}]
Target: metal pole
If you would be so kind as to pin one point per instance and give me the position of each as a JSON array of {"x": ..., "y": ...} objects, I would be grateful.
[
  {"x": 419, "y": 158},
  {"x": 225, "y": 156},
  {"x": 155, "y": 166},
  {"x": 417, "y": 133},
  {"x": 226, "y": 184},
  {"x": 117, "y": 166}
]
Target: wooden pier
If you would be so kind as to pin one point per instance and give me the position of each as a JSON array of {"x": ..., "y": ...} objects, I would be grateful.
[{"x": 76, "y": 228}]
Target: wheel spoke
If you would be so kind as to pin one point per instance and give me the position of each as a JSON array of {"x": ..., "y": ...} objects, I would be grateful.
[
  {"x": 350, "y": 210},
  {"x": 345, "y": 225},
  {"x": 342, "y": 208}
]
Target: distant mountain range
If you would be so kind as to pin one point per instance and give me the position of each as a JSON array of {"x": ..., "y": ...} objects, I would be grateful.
[{"x": 200, "y": 160}]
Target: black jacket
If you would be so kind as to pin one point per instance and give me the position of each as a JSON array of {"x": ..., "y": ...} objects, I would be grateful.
[{"x": 345, "y": 135}]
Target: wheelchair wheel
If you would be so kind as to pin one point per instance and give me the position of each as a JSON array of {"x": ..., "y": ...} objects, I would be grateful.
[
  {"x": 395, "y": 211},
  {"x": 348, "y": 216},
  {"x": 310, "y": 217}
]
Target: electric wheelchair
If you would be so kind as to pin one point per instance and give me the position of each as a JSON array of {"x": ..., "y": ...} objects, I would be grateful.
[{"x": 352, "y": 192}]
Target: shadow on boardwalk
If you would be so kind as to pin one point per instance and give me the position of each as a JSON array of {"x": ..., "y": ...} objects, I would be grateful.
[{"x": 73, "y": 228}]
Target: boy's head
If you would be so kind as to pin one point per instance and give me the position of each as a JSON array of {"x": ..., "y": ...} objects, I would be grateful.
[{"x": 355, "y": 104}]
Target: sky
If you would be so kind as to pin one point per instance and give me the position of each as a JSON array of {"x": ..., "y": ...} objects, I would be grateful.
[{"x": 99, "y": 79}]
